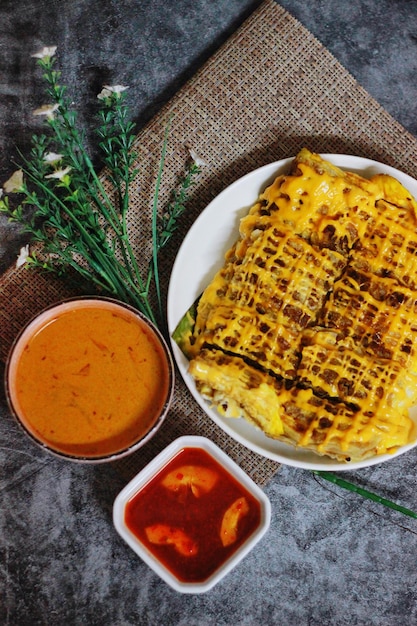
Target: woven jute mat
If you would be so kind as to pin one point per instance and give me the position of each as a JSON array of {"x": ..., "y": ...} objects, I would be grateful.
[{"x": 271, "y": 89}]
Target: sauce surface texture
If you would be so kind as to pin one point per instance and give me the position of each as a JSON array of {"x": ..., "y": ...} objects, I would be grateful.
[
  {"x": 90, "y": 381},
  {"x": 192, "y": 515}
]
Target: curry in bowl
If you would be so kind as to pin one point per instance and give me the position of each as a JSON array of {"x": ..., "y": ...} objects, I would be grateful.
[{"x": 89, "y": 379}]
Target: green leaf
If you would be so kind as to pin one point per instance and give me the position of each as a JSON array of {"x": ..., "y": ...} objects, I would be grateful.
[
  {"x": 344, "y": 484},
  {"x": 184, "y": 329}
]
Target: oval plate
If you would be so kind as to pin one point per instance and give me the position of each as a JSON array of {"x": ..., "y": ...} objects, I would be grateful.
[{"x": 201, "y": 255}]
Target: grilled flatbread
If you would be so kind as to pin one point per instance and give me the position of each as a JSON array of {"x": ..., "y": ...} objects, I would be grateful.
[
  {"x": 308, "y": 329},
  {"x": 258, "y": 305}
]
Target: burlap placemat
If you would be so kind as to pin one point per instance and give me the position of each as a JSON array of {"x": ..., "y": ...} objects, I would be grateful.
[{"x": 271, "y": 89}]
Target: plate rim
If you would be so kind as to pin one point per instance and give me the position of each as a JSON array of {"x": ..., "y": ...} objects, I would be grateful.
[{"x": 268, "y": 172}]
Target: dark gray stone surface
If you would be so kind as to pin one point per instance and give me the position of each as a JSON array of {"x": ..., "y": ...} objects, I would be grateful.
[{"x": 330, "y": 557}]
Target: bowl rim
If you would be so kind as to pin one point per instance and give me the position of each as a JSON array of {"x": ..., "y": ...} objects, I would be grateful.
[
  {"x": 149, "y": 471},
  {"x": 119, "y": 454}
]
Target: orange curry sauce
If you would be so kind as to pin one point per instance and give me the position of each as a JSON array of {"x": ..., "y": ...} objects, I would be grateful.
[
  {"x": 192, "y": 515},
  {"x": 90, "y": 380}
]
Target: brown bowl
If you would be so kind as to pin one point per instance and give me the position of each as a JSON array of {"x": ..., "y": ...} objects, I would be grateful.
[{"x": 90, "y": 379}]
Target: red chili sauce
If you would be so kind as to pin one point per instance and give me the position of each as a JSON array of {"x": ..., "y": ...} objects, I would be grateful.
[{"x": 192, "y": 515}]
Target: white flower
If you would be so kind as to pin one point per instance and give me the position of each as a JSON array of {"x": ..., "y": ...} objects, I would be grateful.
[
  {"x": 59, "y": 174},
  {"x": 45, "y": 52},
  {"x": 104, "y": 93},
  {"x": 52, "y": 157},
  {"x": 116, "y": 88},
  {"x": 108, "y": 90},
  {"x": 14, "y": 183},
  {"x": 46, "y": 109},
  {"x": 23, "y": 256},
  {"x": 197, "y": 160}
]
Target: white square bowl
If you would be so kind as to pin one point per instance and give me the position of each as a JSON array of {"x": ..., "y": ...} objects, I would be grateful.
[{"x": 147, "y": 474}]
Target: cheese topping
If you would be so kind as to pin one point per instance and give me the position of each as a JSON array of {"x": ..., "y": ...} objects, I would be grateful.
[{"x": 308, "y": 329}]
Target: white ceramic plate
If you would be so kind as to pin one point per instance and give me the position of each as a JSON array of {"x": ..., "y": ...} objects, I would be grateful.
[{"x": 201, "y": 255}]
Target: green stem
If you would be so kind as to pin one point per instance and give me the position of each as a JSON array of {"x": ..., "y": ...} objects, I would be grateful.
[
  {"x": 128, "y": 253},
  {"x": 155, "y": 223},
  {"x": 340, "y": 482},
  {"x": 114, "y": 274}
]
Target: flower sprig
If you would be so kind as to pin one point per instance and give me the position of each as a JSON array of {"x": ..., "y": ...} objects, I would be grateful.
[{"x": 65, "y": 206}]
